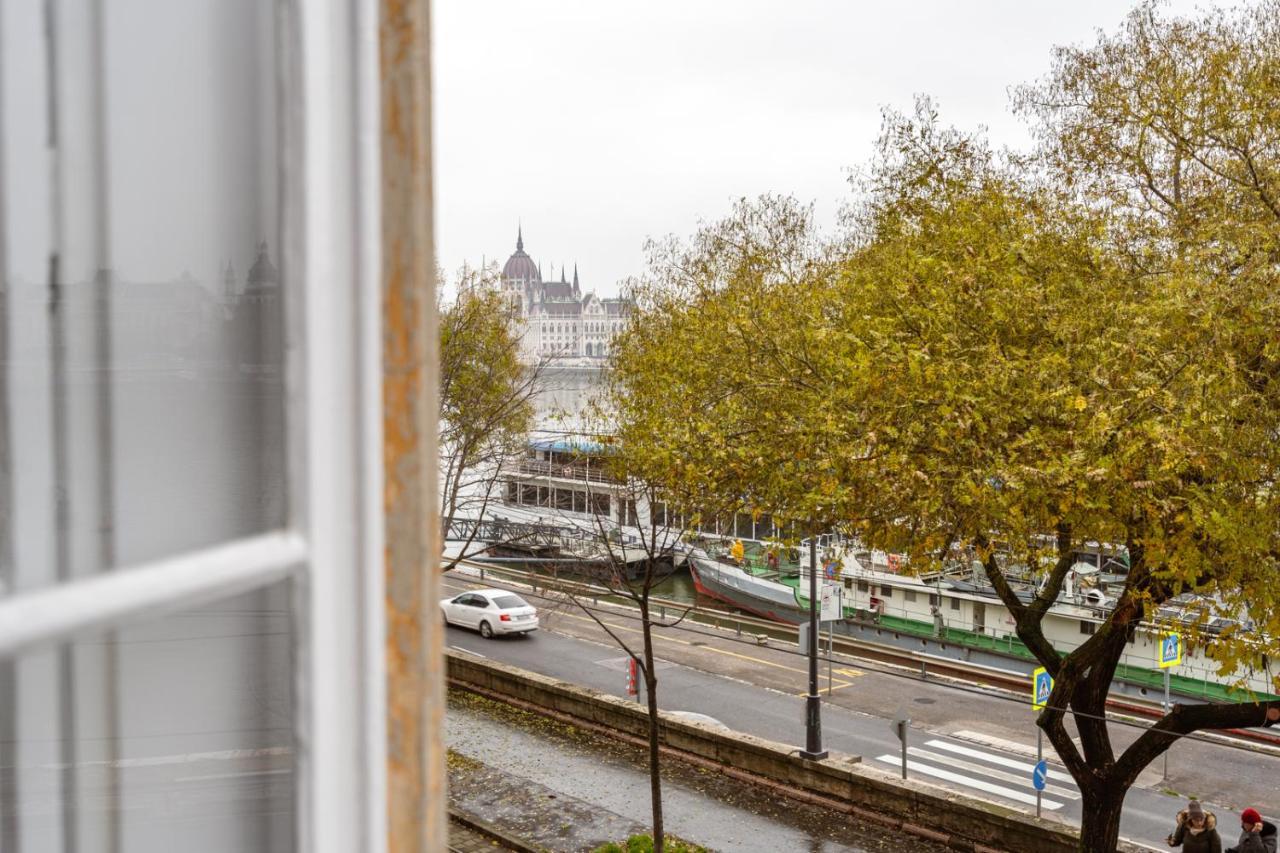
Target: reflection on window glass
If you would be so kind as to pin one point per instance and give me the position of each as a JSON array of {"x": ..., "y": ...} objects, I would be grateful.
[
  {"x": 174, "y": 735},
  {"x": 142, "y": 278}
]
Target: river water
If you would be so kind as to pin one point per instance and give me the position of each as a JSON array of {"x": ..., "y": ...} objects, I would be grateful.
[{"x": 565, "y": 396}]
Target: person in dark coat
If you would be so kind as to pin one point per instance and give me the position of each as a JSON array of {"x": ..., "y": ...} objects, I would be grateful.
[
  {"x": 1256, "y": 835},
  {"x": 1197, "y": 831}
]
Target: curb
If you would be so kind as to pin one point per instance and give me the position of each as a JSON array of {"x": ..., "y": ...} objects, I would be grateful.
[{"x": 490, "y": 831}]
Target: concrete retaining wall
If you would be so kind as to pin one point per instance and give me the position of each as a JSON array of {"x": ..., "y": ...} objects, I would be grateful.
[{"x": 840, "y": 781}]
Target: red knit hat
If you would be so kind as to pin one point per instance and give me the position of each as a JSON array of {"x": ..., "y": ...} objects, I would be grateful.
[{"x": 1250, "y": 816}]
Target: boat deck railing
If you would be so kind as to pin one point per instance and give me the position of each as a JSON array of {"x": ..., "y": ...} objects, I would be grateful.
[{"x": 581, "y": 473}]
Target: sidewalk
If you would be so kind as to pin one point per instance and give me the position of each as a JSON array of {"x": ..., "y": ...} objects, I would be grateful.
[{"x": 568, "y": 790}]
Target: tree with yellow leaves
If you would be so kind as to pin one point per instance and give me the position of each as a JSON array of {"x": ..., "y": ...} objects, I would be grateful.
[{"x": 1013, "y": 356}]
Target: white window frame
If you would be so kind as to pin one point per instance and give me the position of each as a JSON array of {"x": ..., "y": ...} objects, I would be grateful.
[{"x": 332, "y": 544}]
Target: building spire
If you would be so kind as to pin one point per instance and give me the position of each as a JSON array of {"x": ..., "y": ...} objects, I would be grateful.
[
  {"x": 519, "y": 238},
  {"x": 575, "y": 276}
]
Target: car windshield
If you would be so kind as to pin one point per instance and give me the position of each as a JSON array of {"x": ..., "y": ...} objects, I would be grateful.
[{"x": 506, "y": 602}]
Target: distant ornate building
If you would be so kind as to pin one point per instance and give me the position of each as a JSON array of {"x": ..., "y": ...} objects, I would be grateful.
[
  {"x": 255, "y": 314},
  {"x": 557, "y": 319}
]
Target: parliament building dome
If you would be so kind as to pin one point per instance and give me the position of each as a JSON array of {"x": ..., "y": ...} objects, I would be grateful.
[{"x": 520, "y": 265}]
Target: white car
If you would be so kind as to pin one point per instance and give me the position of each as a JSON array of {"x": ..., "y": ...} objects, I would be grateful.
[{"x": 490, "y": 611}]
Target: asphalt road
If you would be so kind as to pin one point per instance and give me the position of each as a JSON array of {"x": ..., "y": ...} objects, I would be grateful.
[{"x": 972, "y": 740}]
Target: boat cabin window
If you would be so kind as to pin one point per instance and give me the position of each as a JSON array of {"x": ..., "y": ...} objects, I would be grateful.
[
  {"x": 934, "y": 599},
  {"x": 513, "y": 492},
  {"x": 600, "y": 505},
  {"x": 863, "y": 586},
  {"x": 848, "y": 583},
  {"x": 564, "y": 499},
  {"x": 579, "y": 501},
  {"x": 955, "y": 604},
  {"x": 544, "y": 496},
  {"x": 886, "y": 592},
  {"x": 528, "y": 495},
  {"x": 627, "y": 511},
  {"x": 910, "y": 594},
  {"x": 1087, "y": 627}
]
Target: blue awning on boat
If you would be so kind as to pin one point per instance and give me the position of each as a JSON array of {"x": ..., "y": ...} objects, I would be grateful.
[{"x": 568, "y": 444}]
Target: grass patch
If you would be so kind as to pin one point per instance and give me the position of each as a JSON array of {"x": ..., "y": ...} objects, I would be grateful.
[
  {"x": 644, "y": 844},
  {"x": 458, "y": 761}
]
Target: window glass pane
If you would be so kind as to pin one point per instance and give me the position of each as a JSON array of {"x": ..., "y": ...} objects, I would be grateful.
[
  {"x": 175, "y": 734},
  {"x": 145, "y": 333}
]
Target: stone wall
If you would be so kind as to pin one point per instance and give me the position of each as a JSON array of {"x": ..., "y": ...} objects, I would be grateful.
[{"x": 840, "y": 781}]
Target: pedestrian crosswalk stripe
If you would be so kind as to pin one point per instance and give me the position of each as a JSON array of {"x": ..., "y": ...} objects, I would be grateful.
[
  {"x": 985, "y": 756},
  {"x": 989, "y": 773},
  {"x": 977, "y": 784},
  {"x": 1014, "y": 747}
]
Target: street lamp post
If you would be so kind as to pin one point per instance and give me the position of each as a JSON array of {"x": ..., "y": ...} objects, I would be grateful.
[{"x": 813, "y": 704}]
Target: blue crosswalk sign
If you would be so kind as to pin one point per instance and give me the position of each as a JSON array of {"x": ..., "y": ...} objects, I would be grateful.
[
  {"x": 1170, "y": 650},
  {"x": 1041, "y": 687},
  {"x": 1040, "y": 774}
]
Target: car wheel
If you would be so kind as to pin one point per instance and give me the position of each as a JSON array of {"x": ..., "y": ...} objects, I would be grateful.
[{"x": 486, "y": 631}]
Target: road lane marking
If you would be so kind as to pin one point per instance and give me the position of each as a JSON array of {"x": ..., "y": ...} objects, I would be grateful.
[
  {"x": 1014, "y": 747},
  {"x": 974, "y": 753},
  {"x": 836, "y": 686},
  {"x": 976, "y": 784},
  {"x": 718, "y": 651},
  {"x": 973, "y": 767}
]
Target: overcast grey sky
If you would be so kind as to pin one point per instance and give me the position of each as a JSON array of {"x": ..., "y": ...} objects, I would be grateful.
[{"x": 599, "y": 124}]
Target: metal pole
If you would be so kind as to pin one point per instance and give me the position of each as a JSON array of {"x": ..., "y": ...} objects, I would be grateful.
[
  {"x": 906, "y": 729},
  {"x": 1166, "y": 710},
  {"x": 831, "y": 639},
  {"x": 813, "y": 702},
  {"x": 1039, "y": 758}
]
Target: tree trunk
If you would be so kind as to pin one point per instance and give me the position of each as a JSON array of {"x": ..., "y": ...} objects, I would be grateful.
[
  {"x": 1100, "y": 822},
  {"x": 651, "y": 695}
]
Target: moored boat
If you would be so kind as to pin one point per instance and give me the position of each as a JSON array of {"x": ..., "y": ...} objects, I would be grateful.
[{"x": 957, "y": 614}]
